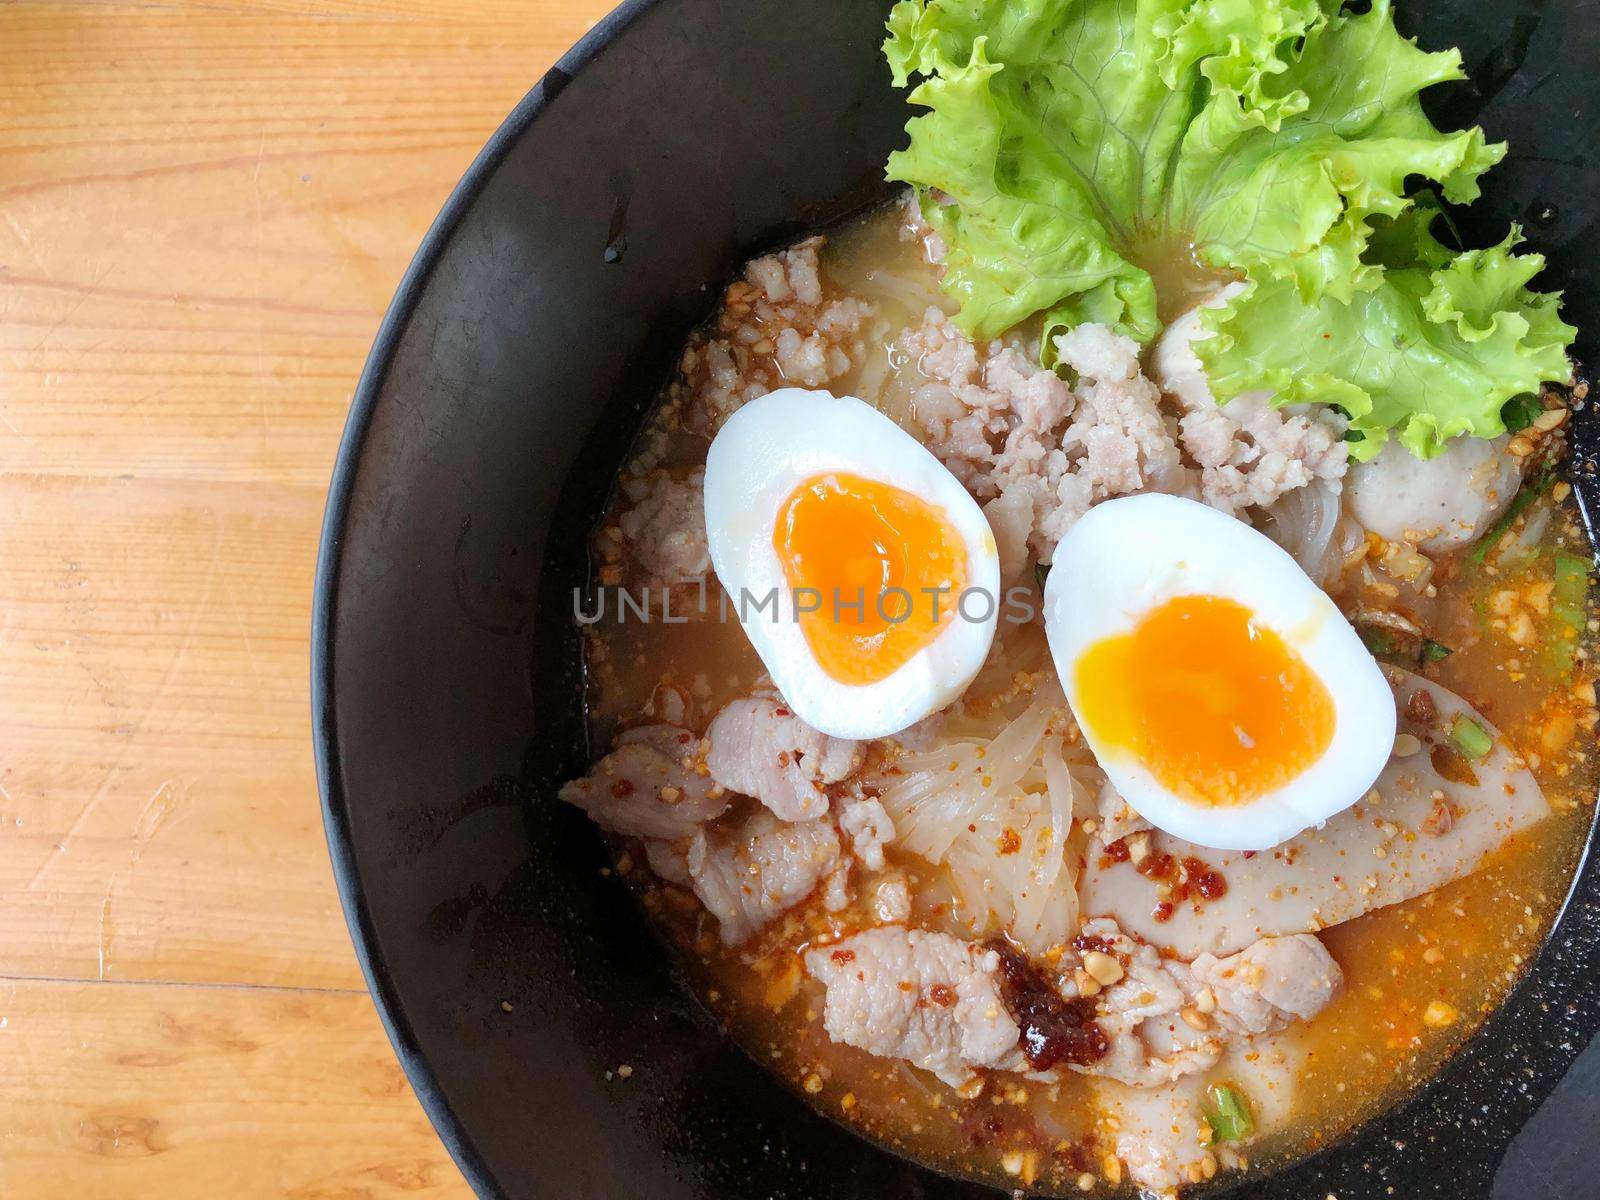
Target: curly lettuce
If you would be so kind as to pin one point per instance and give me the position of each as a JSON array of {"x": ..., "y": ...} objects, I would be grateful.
[
  {"x": 1067, "y": 143},
  {"x": 1434, "y": 349}
]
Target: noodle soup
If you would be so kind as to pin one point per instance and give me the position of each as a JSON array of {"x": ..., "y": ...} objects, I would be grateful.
[
  {"x": 1092, "y": 650},
  {"x": 1001, "y": 816}
]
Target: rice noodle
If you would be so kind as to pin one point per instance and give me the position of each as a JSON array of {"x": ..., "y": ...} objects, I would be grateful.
[
  {"x": 1304, "y": 522},
  {"x": 1020, "y": 651},
  {"x": 1056, "y": 872},
  {"x": 1047, "y": 1121},
  {"x": 1388, "y": 620},
  {"x": 913, "y": 1078},
  {"x": 874, "y": 375},
  {"x": 998, "y": 814},
  {"x": 912, "y": 295}
]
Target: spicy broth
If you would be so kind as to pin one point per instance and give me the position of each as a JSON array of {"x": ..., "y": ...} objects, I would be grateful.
[{"x": 1420, "y": 976}]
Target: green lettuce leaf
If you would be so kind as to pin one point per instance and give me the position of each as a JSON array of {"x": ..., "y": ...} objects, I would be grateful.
[
  {"x": 1433, "y": 349},
  {"x": 1069, "y": 145}
]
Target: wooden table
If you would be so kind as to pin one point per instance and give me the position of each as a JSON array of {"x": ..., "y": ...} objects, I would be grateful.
[{"x": 204, "y": 208}]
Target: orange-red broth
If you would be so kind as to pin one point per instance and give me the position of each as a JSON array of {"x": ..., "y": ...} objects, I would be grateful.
[{"x": 1420, "y": 976}]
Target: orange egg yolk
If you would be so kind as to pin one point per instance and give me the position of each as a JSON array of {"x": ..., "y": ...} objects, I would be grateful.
[
  {"x": 859, "y": 554},
  {"x": 1220, "y": 709}
]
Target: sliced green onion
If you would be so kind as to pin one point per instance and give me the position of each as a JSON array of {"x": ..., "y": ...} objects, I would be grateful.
[
  {"x": 1379, "y": 642},
  {"x": 1228, "y": 1114},
  {"x": 1561, "y": 656},
  {"x": 1567, "y": 611},
  {"x": 1433, "y": 651},
  {"x": 1531, "y": 491},
  {"x": 1572, "y": 579},
  {"x": 1571, "y": 591},
  {"x": 1470, "y": 738}
]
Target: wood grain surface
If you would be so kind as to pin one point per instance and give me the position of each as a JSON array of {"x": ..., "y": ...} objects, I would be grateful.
[{"x": 204, "y": 208}]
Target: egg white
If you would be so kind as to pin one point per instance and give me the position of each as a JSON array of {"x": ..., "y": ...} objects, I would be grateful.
[
  {"x": 767, "y": 449},
  {"x": 1125, "y": 558}
]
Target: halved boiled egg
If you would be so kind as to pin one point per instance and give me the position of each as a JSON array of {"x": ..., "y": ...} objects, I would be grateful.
[
  {"x": 1223, "y": 693},
  {"x": 864, "y": 574}
]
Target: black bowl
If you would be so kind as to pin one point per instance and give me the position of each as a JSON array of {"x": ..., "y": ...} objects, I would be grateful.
[{"x": 539, "y": 318}]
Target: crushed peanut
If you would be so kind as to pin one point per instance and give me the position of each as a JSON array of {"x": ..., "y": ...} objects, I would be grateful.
[
  {"x": 1406, "y": 744},
  {"x": 1102, "y": 968},
  {"x": 1139, "y": 847},
  {"x": 1440, "y": 1015}
]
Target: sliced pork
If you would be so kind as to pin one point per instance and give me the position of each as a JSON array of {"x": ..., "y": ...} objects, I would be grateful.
[
  {"x": 759, "y": 748},
  {"x": 669, "y": 861},
  {"x": 891, "y": 899},
  {"x": 651, "y": 785},
  {"x": 1149, "y": 1043},
  {"x": 863, "y": 820},
  {"x": 1161, "y": 1134},
  {"x": 753, "y": 875},
  {"x": 1165, "y": 1018},
  {"x": 1269, "y": 983},
  {"x": 928, "y": 998}
]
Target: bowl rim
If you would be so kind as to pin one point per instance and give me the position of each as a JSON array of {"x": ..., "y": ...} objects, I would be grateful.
[
  {"x": 1549, "y": 974},
  {"x": 325, "y": 734}
]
